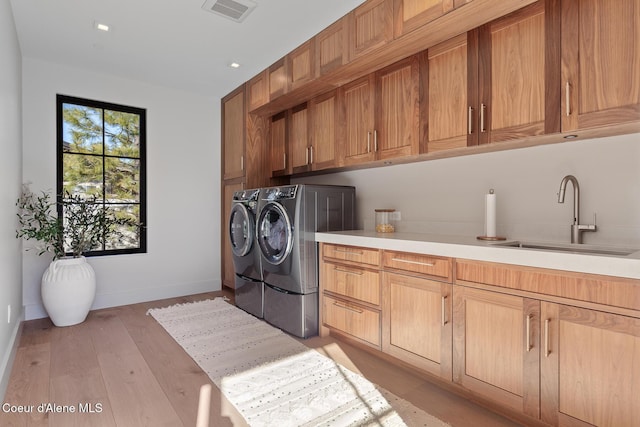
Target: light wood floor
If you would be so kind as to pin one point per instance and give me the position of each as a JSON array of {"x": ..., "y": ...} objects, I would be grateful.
[{"x": 121, "y": 368}]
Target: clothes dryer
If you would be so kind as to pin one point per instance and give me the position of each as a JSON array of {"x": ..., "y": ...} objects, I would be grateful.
[
  {"x": 288, "y": 218},
  {"x": 249, "y": 289}
]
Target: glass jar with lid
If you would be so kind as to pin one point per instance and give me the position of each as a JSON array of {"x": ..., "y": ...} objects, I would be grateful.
[{"x": 384, "y": 221}]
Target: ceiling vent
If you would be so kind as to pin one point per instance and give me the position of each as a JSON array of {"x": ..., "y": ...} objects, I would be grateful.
[{"x": 236, "y": 10}]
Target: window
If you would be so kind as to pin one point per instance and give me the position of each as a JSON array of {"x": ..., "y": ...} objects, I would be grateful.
[{"x": 101, "y": 160}]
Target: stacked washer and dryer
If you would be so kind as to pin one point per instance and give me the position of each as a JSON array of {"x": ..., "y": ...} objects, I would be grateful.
[{"x": 286, "y": 218}]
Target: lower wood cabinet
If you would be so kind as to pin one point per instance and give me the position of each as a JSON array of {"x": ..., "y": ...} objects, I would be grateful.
[
  {"x": 496, "y": 347},
  {"x": 417, "y": 322},
  {"x": 590, "y": 367},
  {"x": 353, "y": 319}
]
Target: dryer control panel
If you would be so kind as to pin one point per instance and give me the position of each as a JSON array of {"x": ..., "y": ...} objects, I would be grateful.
[{"x": 279, "y": 193}]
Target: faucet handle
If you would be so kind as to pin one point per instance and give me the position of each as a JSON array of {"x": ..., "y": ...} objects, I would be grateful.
[{"x": 588, "y": 227}]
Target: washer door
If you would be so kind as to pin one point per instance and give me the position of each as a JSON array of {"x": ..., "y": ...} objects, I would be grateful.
[
  {"x": 241, "y": 230},
  {"x": 275, "y": 236}
]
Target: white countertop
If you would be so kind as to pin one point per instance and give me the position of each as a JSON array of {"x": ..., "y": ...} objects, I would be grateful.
[{"x": 474, "y": 249}]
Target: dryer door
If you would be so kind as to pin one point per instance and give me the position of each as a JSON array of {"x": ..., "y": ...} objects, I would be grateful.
[
  {"x": 241, "y": 229},
  {"x": 275, "y": 236}
]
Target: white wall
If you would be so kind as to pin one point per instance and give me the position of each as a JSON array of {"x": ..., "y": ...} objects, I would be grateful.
[
  {"x": 10, "y": 175},
  {"x": 183, "y": 181},
  {"x": 447, "y": 196}
]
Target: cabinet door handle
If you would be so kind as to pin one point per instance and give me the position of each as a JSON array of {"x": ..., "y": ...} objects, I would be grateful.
[
  {"x": 284, "y": 163},
  {"x": 529, "y": 346},
  {"x": 342, "y": 270},
  {"x": 306, "y": 156},
  {"x": 348, "y": 251},
  {"x": 547, "y": 344},
  {"x": 241, "y": 163},
  {"x": 567, "y": 98},
  {"x": 444, "y": 310},
  {"x": 369, "y": 142},
  {"x": 407, "y": 261},
  {"x": 346, "y": 307},
  {"x": 483, "y": 109},
  {"x": 470, "y": 120},
  {"x": 311, "y": 154},
  {"x": 375, "y": 140}
]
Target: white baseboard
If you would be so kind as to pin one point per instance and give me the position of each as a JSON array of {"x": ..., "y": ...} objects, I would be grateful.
[
  {"x": 9, "y": 356},
  {"x": 106, "y": 300}
]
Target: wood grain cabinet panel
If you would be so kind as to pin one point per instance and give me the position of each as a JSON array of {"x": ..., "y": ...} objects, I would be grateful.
[
  {"x": 258, "y": 90},
  {"x": 233, "y": 134},
  {"x": 278, "y": 145},
  {"x": 370, "y": 27},
  {"x": 353, "y": 282},
  {"x": 496, "y": 347},
  {"x": 417, "y": 322},
  {"x": 443, "y": 97},
  {"x": 352, "y": 319},
  {"x": 301, "y": 65},
  {"x": 600, "y": 63},
  {"x": 428, "y": 265},
  {"x": 331, "y": 47},
  {"x": 299, "y": 139},
  {"x": 412, "y": 14},
  {"x": 278, "y": 79},
  {"x": 323, "y": 151},
  {"x": 352, "y": 254},
  {"x": 590, "y": 366},
  {"x": 359, "y": 126}
]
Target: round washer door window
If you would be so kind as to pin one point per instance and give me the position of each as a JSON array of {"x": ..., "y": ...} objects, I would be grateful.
[
  {"x": 274, "y": 233},
  {"x": 241, "y": 230}
]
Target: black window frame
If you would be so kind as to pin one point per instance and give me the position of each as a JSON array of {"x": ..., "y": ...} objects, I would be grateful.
[{"x": 141, "y": 112}]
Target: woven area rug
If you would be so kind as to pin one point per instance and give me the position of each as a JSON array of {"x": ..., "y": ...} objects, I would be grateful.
[{"x": 274, "y": 380}]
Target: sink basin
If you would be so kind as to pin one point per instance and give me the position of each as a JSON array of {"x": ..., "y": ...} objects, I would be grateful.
[{"x": 568, "y": 247}]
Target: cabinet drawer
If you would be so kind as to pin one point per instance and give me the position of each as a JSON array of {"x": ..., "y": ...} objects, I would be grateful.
[
  {"x": 417, "y": 263},
  {"x": 352, "y": 254},
  {"x": 353, "y": 282},
  {"x": 351, "y": 319}
]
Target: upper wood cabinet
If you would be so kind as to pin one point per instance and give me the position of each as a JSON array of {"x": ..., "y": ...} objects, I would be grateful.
[
  {"x": 370, "y": 27},
  {"x": 518, "y": 75},
  {"x": 301, "y": 65},
  {"x": 331, "y": 47},
  {"x": 258, "y": 90},
  {"x": 278, "y": 79},
  {"x": 411, "y": 14},
  {"x": 278, "y": 145},
  {"x": 299, "y": 139},
  {"x": 323, "y": 149},
  {"x": 233, "y": 134},
  {"x": 590, "y": 365},
  {"x": 600, "y": 63},
  {"x": 397, "y": 110},
  {"x": 444, "y": 105},
  {"x": 358, "y": 113}
]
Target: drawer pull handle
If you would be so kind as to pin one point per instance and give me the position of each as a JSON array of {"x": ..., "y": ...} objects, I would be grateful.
[
  {"x": 567, "y": 95},
  {"x": 529, "y": 346},
  {"x": 346, "y": 307},
  {"x": 444, "y": 311},
  {"x": 407, "y": 261},
  {"x": 342, "y": 270},
  {"x": 547, "y": 350}
]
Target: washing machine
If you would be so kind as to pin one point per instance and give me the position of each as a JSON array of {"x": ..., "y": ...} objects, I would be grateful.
[
  {"x": 249, "y": 289},
  {"x": 288, "y": 218}
]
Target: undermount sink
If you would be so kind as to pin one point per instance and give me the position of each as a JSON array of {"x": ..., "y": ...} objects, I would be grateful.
[{"x": 568, "y": 247}]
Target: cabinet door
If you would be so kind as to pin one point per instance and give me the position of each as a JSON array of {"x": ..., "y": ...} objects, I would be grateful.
[
  {"x": 353, "y": 319},
  {"x": 417, "y": 322},
  {"x": 590, "y": 367},
  {"x": 323, "y": 149},
  {"x": 495, "y": 344},
  {"x": 353, "y": 282},
  {"x": 444, "y": 105},
  {"x": 358, "y": 103},
  {"x": 411, "y": 14},
  {"x": 278, "y": 144},
  {"x": 397, "y": 110},
  {"x": 331, "y": 47},
  {"x": 228, "y": 272},
  {"x": 301, "y": 65},
  {"x": 519, "y": 74},
  {"x": 299, "y": 139},
  {"x": 278, "y": 79},
  {"x": 370, "y": 27},
  {"x": 600, "y": 63},
  {"x": 233, "y": 134},
  {"x": 258, "y": 90}
]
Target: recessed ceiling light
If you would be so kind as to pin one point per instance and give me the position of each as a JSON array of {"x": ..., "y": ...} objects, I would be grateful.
[
  {"x": 234, "y": 65},
  {"x": 100, "y": 26}
]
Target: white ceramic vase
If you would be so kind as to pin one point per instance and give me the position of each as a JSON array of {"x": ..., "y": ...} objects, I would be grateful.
[{"x": 68, "y": 290}]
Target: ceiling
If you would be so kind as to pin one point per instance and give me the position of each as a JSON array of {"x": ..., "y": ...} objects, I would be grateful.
[{"x": 173, "y": 43}]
